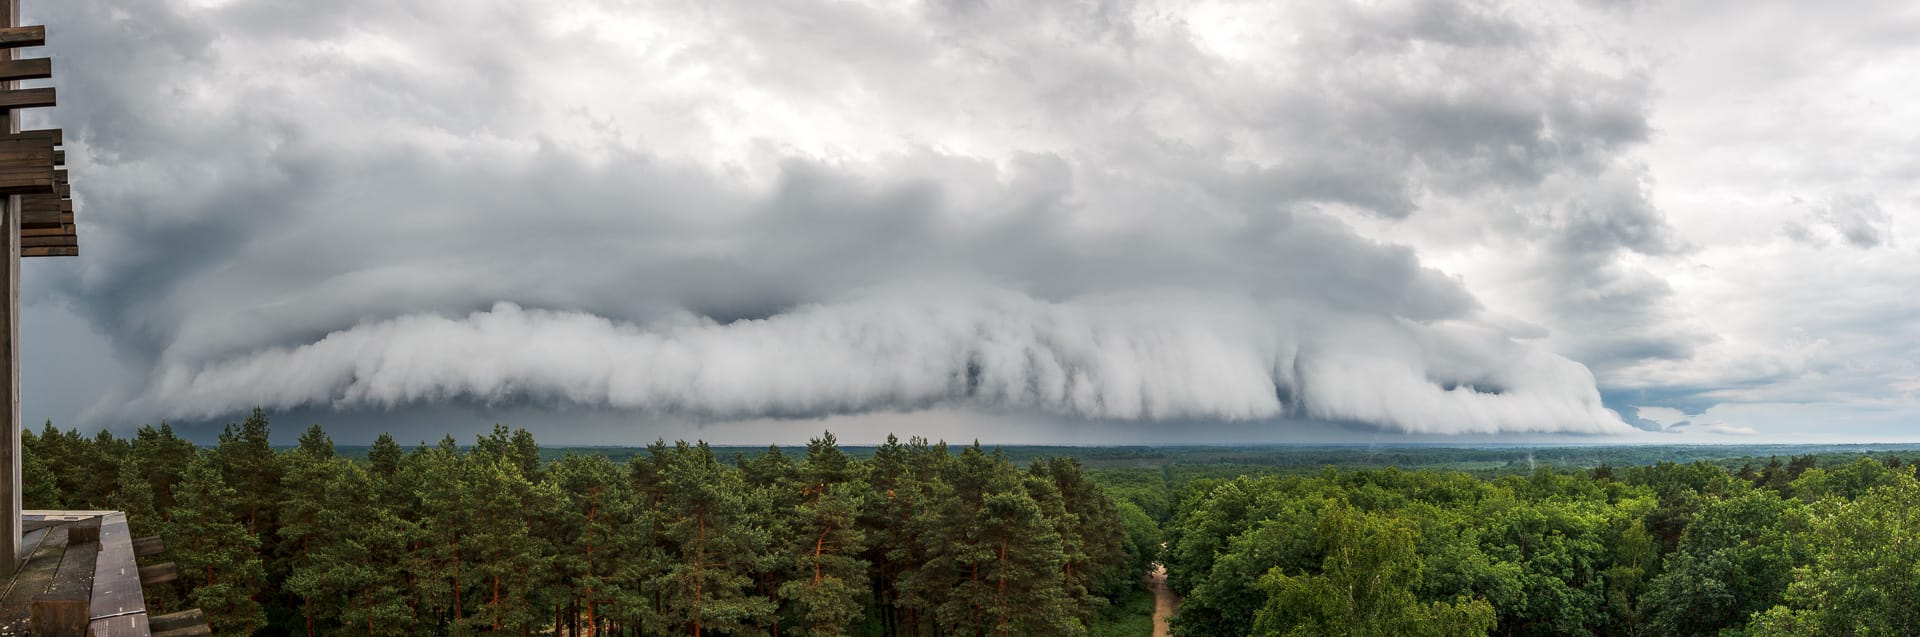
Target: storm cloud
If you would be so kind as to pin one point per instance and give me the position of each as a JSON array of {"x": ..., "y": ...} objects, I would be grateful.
[{"x": 1102, "y": 210}]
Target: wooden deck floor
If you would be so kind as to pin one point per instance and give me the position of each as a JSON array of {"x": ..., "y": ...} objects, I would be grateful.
[{"x": 63, "y": 558}]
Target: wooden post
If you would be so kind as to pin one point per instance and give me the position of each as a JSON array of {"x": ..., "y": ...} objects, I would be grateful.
[
  {"x": 61, "y": 614},
  {"x": 10, "y": 341}
]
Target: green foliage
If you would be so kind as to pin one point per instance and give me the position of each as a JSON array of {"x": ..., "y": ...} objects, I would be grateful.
[
  {"x": 911, "y": 539},
  {"x": 1735, "y": 559},
  {"x": 1364, "y": 586},
  {"x": 217, "y": 557},
  {"x": 1864, "y": 574},
  {"x": 1129, "y": 616}
]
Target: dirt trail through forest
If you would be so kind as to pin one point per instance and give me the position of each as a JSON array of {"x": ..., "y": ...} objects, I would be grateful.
[{"x": 1163, "y": 600}]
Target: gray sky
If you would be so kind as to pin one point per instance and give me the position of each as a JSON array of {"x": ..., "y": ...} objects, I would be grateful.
[{"x": 1030, "y": 222}]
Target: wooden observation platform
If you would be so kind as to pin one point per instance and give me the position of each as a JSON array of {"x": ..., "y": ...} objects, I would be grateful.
[
  {"x": 66, "y": 572},
  {"x": 78, "y": 579}
]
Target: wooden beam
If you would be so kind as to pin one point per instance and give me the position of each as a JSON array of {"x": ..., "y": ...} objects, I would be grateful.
[
  {"x": 27, "y": 98},
  {"x": 68, "y": 241},
  {"x": 116, "y": 592},
  {"x": 26, "y": 181},
  {"x": 182, "y": 619},
  {"x": 62, "y": 614},
  {"x": 149, "y": 545},
  {"x": 58, "y": 136},
  {"x": 50, "y": 220},
  {"x": 27, "y": 69},
  {"x": 46, "y": 203},
  {"x": 50, "y": 252},
  {"x": 158, "y": 574},
  {"x": 16, "y": 37},
  {"x": 10, "y": 458},
  {"x": 196, "y": 630},
  {"x": 62, "y": 230},
  {"x": 28, "y": 155}
]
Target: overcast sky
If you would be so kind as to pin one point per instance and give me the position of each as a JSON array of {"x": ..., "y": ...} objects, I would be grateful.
[{"x": 1082, "y": 222}]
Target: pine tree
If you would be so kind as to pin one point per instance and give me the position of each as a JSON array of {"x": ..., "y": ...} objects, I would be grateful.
[
  {"x": 135, "y": 498},
  {"x": 586, "y": 534},
  {"x": 514, "y": 446},
  {"x": 247, "y": 463},
  {"x": 362, "y": 564},
  {"x": 163, "y": 458},
  {"x": 384, "y": 456},
  {"x": 41, "y": 488},
  {"x": 826, "y": 587},
  {"x": 103, "y": 458},
  {"x": 1007, "y": 553},
  {"x": 919, "y": 525},
  {"x": 1096, "y": 555},
  {"x": 775, "y": 488},
  {"x": 711, "y": 544},
  {"x": 438, "y": 479},
  {"x": 217, "y": 557},
  {"x": 312, "y": 523},
  {"x": 504, "y": 558}
]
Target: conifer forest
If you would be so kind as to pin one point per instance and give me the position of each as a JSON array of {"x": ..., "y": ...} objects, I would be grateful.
[{"x": 920, "y": 539}]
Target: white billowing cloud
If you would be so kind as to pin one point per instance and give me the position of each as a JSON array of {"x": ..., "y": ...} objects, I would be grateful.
[
  {"x": 1162, "y": 209},
  {"x": 1162, "y": 356}
]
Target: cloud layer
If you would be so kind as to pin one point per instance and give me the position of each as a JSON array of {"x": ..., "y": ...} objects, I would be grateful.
[
  {"x": 1108, "y": 210},
  {"x": 1158, "y": 357}
]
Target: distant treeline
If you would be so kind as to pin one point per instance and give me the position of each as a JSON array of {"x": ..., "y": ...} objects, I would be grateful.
[
  {"x": 916, "y": 540},
  {"x": 1770, "y": 549}
]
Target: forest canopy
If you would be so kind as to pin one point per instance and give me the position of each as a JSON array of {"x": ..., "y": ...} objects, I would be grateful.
[
  {"x": 916, "y": 538},
  {"x": 919, "y": 539}
]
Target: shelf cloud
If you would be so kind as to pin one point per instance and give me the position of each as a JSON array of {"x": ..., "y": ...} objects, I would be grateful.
[
  {"x": 1152, "y": 357},
  {"x": 1104, "y": 210}
]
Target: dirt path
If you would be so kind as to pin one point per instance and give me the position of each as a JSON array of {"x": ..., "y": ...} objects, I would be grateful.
[{"x": 1163, "y": 600}]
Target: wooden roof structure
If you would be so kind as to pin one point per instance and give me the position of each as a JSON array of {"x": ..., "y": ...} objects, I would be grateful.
[
  {"x": 32, "y": 163},
  {"x": 79, "y": 578},
  {"x": 65, "y": 572}
]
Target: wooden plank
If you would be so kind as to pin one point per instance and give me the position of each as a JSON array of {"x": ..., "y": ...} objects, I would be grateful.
[
  {"x": 56, "y": 135},
  {"x": 31, "y": 580},
  {"x": 59, "y": 158},
  {"x": 158, "y": 574},
  {"x": 61, "y": 614},
  {"x": 50, "y": 252},
  {"x": 45, "y": 203},
  {"x": 75, "y": 575},
  {"x": 134, "y": 625},
  {"x": 28, "y": 544},
  {"x": 27, "y": 97},
  {"x": 17, "y": 37},
  {"x": 25, "y": 155},
  {"x": 62, "y": 230},
  {"x": 65, "y": 241},
  {"x": 196, "y": 630},
  {"x": 46, "y": 220},
  {"x": 10, "y": 459},
  {"x": 116, "y": 580},
  {"x": 149, "y": 545},
  {"x": 26, "y": 69},
  {"x": 27, "y": 182},
  {"x": 83, "y": 532},
  {"x": 181, "y": 619}
]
